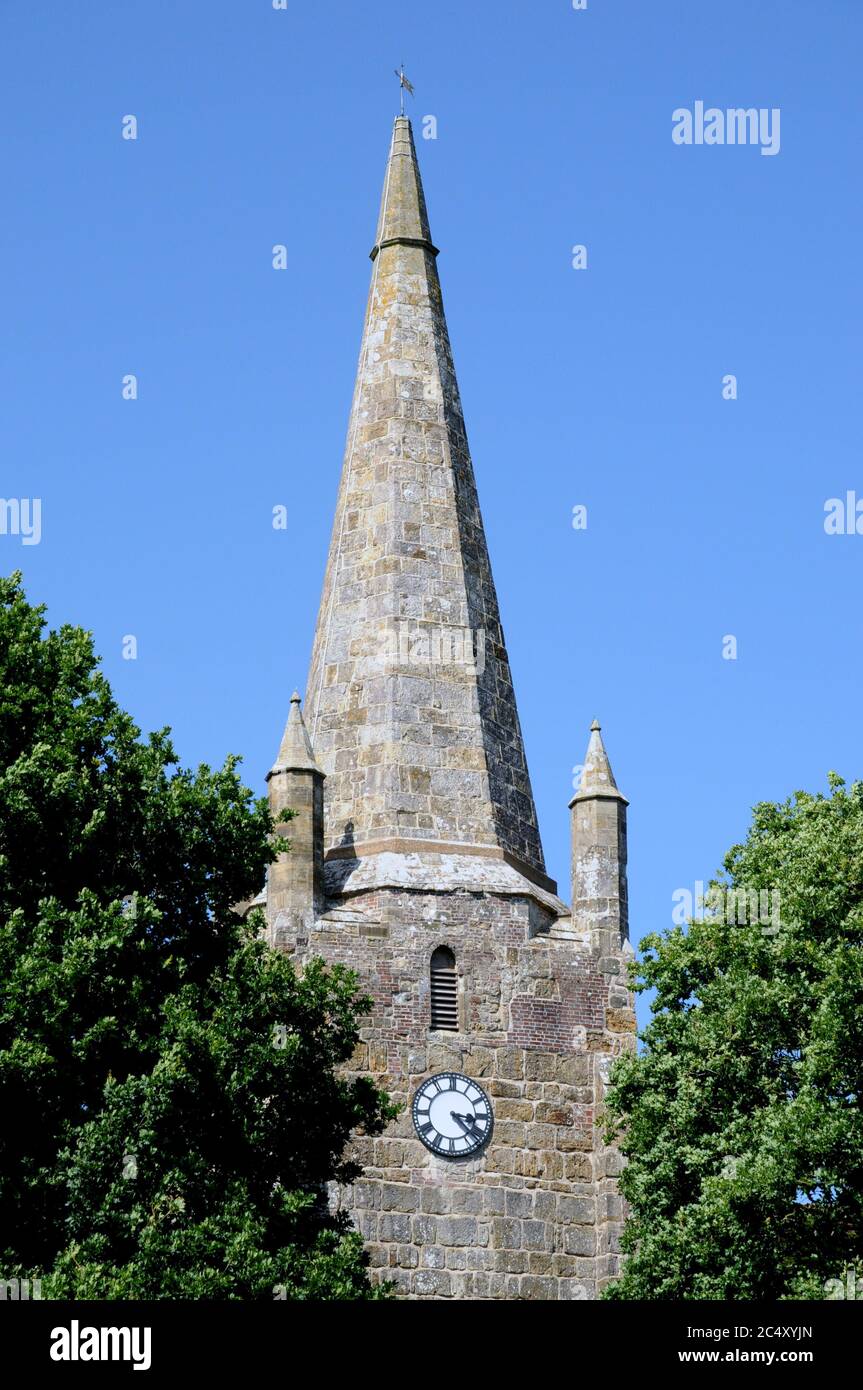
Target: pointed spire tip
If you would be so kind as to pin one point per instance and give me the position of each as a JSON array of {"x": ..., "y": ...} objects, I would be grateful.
[
  {"x": 597, "y": 778},
  {"x": 403, "y": 218},
  {"x": 295, "y": 752}
]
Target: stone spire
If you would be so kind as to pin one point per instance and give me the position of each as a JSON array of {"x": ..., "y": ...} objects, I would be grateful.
[{"x": 410, "y": 699}]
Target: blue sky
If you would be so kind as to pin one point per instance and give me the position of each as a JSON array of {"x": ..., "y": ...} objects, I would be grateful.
[{"x": 600, "y": 387}]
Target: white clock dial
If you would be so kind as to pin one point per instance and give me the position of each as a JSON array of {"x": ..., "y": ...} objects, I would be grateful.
[{"x": 452, "y": 1114}]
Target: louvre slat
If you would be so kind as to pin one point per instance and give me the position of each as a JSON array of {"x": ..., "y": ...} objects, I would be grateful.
[{"x": 444, "y": 1000}]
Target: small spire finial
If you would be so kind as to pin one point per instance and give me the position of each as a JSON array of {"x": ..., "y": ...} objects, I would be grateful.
[
  {"x": 597, "y": 778},
  {"x": 404, "y": 86},
  {"x": 295, "y": 751}
]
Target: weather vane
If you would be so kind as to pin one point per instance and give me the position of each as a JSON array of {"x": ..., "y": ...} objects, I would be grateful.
[{"x": 404, "y": 86}]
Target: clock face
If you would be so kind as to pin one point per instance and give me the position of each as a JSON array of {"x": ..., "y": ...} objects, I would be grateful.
[{"x": 452, "y": 1114}]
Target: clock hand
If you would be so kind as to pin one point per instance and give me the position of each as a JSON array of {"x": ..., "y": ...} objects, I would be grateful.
[{"x": 463, "y": 1120}]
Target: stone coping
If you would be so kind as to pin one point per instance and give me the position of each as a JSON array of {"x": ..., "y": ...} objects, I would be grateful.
[
  {"x": 427, "y": 871},
  {"x": 400, "y": 845}
]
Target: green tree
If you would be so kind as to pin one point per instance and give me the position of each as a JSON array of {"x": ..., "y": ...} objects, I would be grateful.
[
  {"x": 741, "y": 1117},
  {"x": 170, "y": 1087}
]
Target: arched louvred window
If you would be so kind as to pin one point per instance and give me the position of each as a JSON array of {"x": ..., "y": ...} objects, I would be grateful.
[{"x": 444, "y": 990}]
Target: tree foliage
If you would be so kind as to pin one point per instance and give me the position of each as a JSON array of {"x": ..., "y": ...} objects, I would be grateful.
[
  {"x": 741, "y": 1117},
  {"x": 171, "y": 1090}
]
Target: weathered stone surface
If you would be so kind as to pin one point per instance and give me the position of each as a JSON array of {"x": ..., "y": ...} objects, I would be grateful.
[
  {"x": 409, "y": 636},
  {"x": 428, "y": 822},
  {"x": 394, "y": 1226}
]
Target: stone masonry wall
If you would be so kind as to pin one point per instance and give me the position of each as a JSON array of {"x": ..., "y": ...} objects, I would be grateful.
[
  {"x": 536, "y": 1215},
  {"x": 428, "y": 749}
]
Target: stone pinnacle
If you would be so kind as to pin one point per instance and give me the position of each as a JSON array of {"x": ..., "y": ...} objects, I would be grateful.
[
  {"x": 597, "y": 778},
  {"x": 295, "y": 751}
]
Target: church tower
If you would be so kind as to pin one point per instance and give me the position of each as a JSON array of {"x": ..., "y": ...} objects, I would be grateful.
[{"x": 416, "y": 856}]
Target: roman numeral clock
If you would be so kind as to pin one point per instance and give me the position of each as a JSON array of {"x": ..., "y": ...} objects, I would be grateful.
[{"x": 452, "y": 1114}]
